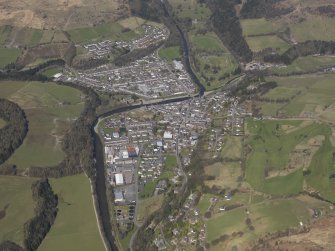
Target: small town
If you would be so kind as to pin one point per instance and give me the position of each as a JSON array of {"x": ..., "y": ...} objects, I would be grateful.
[
  {"x": 151, "y": 35},
  {"x": 147, "y": 150}
]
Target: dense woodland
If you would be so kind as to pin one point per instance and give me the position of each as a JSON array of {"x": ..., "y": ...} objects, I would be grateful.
[
  {"x": 262, "y": 8},
  {"x": 227, "y": 26},
  {"x": 45, "y": 213},
  {"x": 302, "y": 49},
  {"x": 10, "y": 246},
  {"x": 13, "y": 134}
]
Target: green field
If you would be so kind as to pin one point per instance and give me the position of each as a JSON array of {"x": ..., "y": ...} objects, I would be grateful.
[
  {"x": 2, "y": 123},
  {"x": 213, "y": 63},
  {"x": 170, "y": 53},
  {"x": 257, "y": 27},
  {"x": 271, "y": 147},
  {"x": 8, "y": 55},
  {"x": 309, "y": 94},
  {"x": 17, "y": 203},
  {"x": 322, "y": 167},
  {"x": 50, "y": 110},
  {"x": 260, "y": 43},
  {"x": 190, "y": 9},
  {"x": 113, "y": 31},
  {"x": 305, "y": 64},
  {"x": 76, "y": 227},
  {"x": 51, "y": 71},
  {"x": 314, "y": 28}
]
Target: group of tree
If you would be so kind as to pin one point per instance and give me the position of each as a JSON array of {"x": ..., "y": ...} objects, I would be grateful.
[
  {"x": 263, "y": 8},
  {"x": 37, "y": 227},
  {"x": 45, "y": 214},
  {"x": 14, "y": 132},
  {"x": 227, "y": 26},
  {"x": 306, "y": 48}
]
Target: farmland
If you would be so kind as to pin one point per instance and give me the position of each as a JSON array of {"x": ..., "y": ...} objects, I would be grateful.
[
  {"x": 16, "y": 207},
  {"x": 8, "y": 55},
  {"x": 306, "y": 64},
  {"x": 260, "y": 43},
  {"x": 76, "y": 226},
  {"x": 309, "y": 95},
  {"x": 50, "y": 110}
]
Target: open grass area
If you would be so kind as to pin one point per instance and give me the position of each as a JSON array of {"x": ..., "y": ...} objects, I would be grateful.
[
  {"x": 305, "y": 64},
  {"x": 148, "y": 206},
  {"x": 50, "y": 110},
  {"x": 2, "y": 123},
  {"x": 170, "y": 53},
  {"x": 225, "y": 175},
  {"x": 314, "y": 28},
  {"x": 322, "y": 169},
  {"x": 271, "y": 148},
  {"x": 260, "y": 43},
  {"x": 232, "y": 147},
  {"x": 267, "y": 216},
  {"x": 310, "y": 95},
  {"x": 76, "y": 226},
  {"x": 124, "y": 30},
  {"x": 8, "y": 55},
  {"x": 212, "y": 63},
  {"x": 16, "y": 207},
  {"x": 257, "y": 26},
  {"x": 51, "y": 71},
  {"x": 190, "y": 9}
]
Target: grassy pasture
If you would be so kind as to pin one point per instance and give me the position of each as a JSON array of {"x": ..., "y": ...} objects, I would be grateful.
[
  {"x": 170, "y": 53},
  {"x": 270, "y": 150},
  {"x": 148, "y": 206},
  {"x": 305, "y": 64},
  {"x": 2, "y": 123},
  {"x": 267, "y": 216},
  {"x": 259, "y": 43},
  {"x": 313, "y": 95},
  {"x": 226, "y": 174},
  {"x": 113, "y": 31},
  {"x": 50, "y": 110},
  {"x": 8, "y": 55},
  {"x": 314, "y": 28},
  {"x": 190, "y": 9},
  {"x": 232, "y": 147},
  {"x": 257, "y": 26},
  {"x": 51, "y": 71},
  {"x": 76, "y": 226},
  {"x": 17, "y": 205}
]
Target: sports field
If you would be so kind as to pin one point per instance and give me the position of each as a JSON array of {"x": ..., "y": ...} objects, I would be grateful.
[
  {"x": 76, "y": 226},
  {"x": 16, "y": 207},
  {"x": 170, "y": 53},
  {"x": 50, "y": 110}
]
